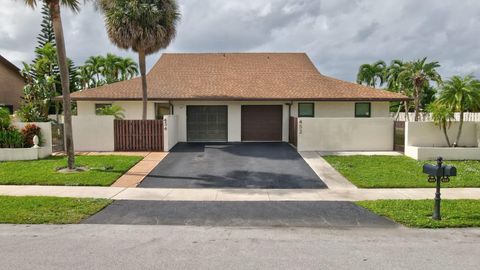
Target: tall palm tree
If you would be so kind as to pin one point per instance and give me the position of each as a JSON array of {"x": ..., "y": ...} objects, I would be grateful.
[
  {"x": 461, "y": 94},
  {"x": 442, "y": 116},
  {"x": 54, "y": 9},
  {"x": 96, "y": 64},
  {"x": 111, "y": 68},
  {"x": 371, "y": 73},
  {"x": 395, "y": 84},
  {"x": 419, "y": 73},
  {"x": 145, "y": 26}
]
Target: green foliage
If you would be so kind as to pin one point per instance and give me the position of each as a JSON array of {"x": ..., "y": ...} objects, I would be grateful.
[
  {"x": 418, "y": 213},
  {"x": 5, "y": 120},
  {"x": 48, "y": 210},
  {"x": 100, "y": 70},
  {"x": 47, "y": 35},
  {"x": 372, "y": 74},
  {"x": 28, "y": 132},
  {"x": 11, "y": 138},
  {"x": 442, "y": 117},
  {"x": 114, "y": 110}
]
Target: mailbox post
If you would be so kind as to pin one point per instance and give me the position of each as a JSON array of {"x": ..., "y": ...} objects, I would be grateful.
[{"x": 438, "y": 174}]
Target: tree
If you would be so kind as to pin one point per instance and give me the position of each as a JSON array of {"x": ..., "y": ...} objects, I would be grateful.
[
  {"x": 461, "y": 94},
  {"x": 442, "y": 116},
  {"x": 96, "y": 65},
  {"x": 54, "y": 10},
  {"x": 145, "y": 26},
  {"x": 396, "y": 84},
  {"x": 116, "y": 111},
  {"x": 47, "y": 35},
  {"x": 418, "y": 74},
  {"x": 371, "y": 74},
  {"x": 128, "y": 68}
]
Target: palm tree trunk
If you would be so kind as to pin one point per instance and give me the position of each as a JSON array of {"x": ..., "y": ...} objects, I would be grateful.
[
  {"x": 141, "y": 62},
  {"x": 444, "y": 128},
  {"x": 417, "y": 103},
  {"x": 64, "y": 78},
  {"x": 398, "y": 111},
  {"x": 459, "y": 128},
  {"x": 407, "y": 116}
]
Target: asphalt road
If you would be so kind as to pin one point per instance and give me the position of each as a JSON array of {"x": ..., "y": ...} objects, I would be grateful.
[
  {"x": 182, "y": 247},
  {"x": 233, "y": 165},
  {"x": 202, "y": 213}
]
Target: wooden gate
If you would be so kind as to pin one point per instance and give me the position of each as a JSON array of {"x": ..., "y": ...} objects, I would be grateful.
[
  {"x": 399, "y": 136},
  {"x": 58, "y": 139},
  {"x": 292, "y": 131},
  {"x": 138, "y": 135}
]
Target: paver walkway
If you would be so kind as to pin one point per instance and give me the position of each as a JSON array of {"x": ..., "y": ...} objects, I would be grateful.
[
  {"x": 138, "y": 172},
  {"x": 162, "y": 194}
]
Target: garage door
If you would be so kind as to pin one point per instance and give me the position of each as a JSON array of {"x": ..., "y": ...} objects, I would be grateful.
[
  {"x": 207, "y": 123},
  {"x": 262, "y": 122}
]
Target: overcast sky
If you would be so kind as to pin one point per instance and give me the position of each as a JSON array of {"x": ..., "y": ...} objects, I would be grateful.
[{"x": 338, "y": 35}]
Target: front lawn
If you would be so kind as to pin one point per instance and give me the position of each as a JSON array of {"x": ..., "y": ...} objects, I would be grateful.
[
  {"x": 399, "y": 172},
  {"x": 412, "y": 213},
  {"x": 103, "y": 171},
  {"x": 48, "y": 210}
]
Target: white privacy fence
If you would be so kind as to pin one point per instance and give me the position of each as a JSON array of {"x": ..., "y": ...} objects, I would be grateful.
[{"x": 427, "y": 117}]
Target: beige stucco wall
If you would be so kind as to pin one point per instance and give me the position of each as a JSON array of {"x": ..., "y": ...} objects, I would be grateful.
[
  {"x": 426, "y": 134},
  {"x": 343, "y": 109},
  {"x": 170, "y": 129},
  {"x": 11, "y": 87},
  {"x": 132, "y": 109},
  {"x": 345, "y": 134},
  {"x": 234, "y": 117},
  {"x": 93, "y": 133}
]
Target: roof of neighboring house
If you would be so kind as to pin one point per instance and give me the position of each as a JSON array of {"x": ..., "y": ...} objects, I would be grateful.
[
  {"x": 9, "y": 65},
  {"x": 237, "y": 76}
]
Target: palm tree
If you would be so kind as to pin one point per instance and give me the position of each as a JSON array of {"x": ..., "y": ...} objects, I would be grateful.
[
  {"x": 128, "y": 68},
  {"x": 370, "y": 73},
  {"x": 145, "y": 26},
  {"x": 54, "y": 9},
  {"x": 395, "y": 84},
  {"x": 96, "y": 64},
  {"x": 111, "y": 68},
  {"x": 461, "y": 94},
  {"x": 86, "y": 77},
  {"x": 114, "y": 110},
  {"x": 442, "y": 116},
  {"x": 418, "y": 74}
]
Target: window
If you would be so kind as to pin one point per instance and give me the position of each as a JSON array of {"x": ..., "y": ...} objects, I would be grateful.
[
  {"x": 101, "y": 106},
  {"x": 362, "y": 109},
  {"x": 161, "y": 109},
  {"x": 306, "y": 109}
]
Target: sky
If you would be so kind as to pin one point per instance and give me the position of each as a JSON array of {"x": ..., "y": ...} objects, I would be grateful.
[{"x": 338, "y": 35}]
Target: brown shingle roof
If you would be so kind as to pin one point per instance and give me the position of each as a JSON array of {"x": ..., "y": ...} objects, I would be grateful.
[{"x": 236, "y": 76}]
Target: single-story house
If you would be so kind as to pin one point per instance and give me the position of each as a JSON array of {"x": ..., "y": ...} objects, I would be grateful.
[
  {"x": 239, "y": 97},
  {"x": 11, "y": 85}
]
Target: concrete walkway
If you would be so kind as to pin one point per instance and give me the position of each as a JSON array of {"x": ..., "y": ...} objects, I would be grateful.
[
  {"x": 165, "y": 194},
  {"x": 138, "y": 172}
]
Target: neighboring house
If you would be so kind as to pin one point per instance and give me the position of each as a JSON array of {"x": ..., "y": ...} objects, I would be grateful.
[
  {"x": 233, "y": 97},
  {"x": 11, "y": 85}
]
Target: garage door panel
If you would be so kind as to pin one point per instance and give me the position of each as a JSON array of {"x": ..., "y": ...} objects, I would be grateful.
[
  {"x": 207, "y": 123},
  {"x": 262, "y": 122}
]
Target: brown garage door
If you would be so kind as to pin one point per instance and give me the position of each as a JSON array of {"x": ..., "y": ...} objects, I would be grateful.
[{"x": 262, "y": 122}]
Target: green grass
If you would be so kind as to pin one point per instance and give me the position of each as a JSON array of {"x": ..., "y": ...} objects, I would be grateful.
[
  {"x": 455, "y": 213},
  {"x": 48, "y": 210},
  {"x": 399, "y": 172},
  {"x": 44, "y": 172}
]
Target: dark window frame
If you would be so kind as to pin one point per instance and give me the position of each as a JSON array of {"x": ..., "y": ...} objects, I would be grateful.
[
  {"x": 306, "y": 103},
  {"x": 101, "y": 105},
  {"x": 369, "y": 110},
  {"x": 156, "y": 104}
]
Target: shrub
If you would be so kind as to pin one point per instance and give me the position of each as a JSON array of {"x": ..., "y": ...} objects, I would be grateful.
[
  {"x": 5, "y": 120},
  {"x": 114, "y": 110},
  {"x": 28, "y": 132},
  {"x": 11, "y": 138}
]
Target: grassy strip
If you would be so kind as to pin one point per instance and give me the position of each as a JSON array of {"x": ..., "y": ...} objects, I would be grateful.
[
  {"x": 399, "y": 172},
  {"x": 104, "y": 170},
  {"x": 418, "y": 213},
  {"x": 48, "y": 210}
]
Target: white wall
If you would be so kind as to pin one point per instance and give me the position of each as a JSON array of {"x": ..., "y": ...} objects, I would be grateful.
[
  {"x": 426, "y": 134},
  {"x": 93, "y": 133},
  {"x": 343, "y": 109},
  {"x": 234, "y": 117},
  {"x": 132, "y": 109},
  {"x": 345, "y": 134},
  {"x": 170, "y": 132},
  {"x": 46, "y": 131}
]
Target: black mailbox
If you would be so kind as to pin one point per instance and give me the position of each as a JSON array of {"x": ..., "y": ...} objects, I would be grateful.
[
  {"x": 449, "y": 171},
  {"x": 432, "y": 170}
]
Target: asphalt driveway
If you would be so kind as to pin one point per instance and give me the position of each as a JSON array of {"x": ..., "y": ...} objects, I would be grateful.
[
  {"x": 236, "y": 165},
  {"x": 269, "y": 214}
]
